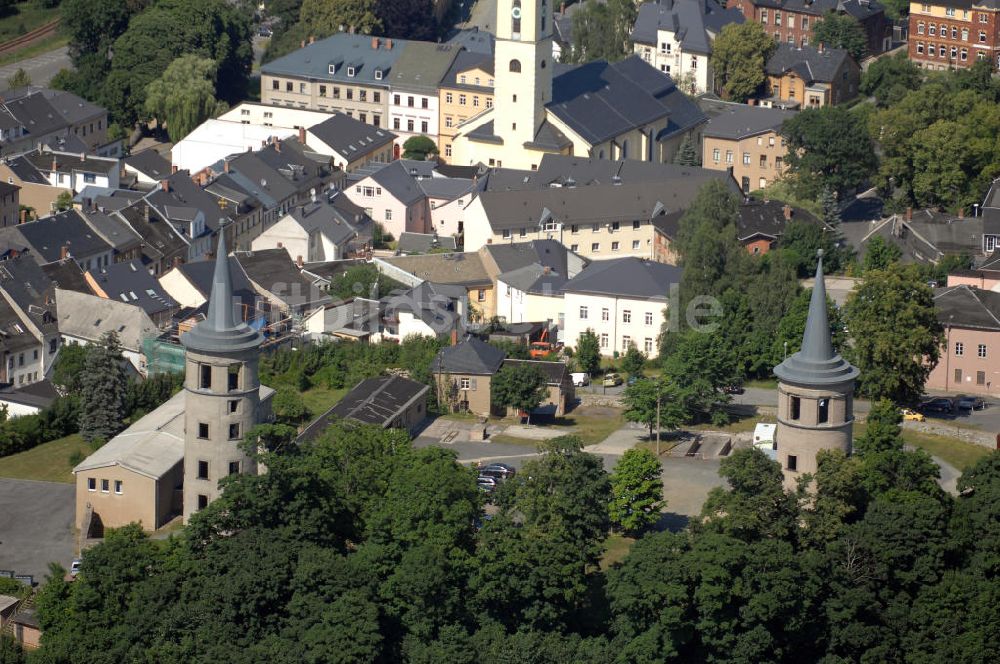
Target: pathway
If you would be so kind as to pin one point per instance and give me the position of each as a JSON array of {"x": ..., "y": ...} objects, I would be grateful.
[{"x": 40, "y": 69}]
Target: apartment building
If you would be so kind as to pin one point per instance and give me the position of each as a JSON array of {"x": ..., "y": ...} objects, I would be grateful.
[
  {"x": 746, "y": 139},
  {"x": 811, "y": 76},
  {"x": 413, "y": 101},
  {"x": 948, "y": 34},
  {"x": 466, "y": 91},
  {"x": 345, "y": 72},
  {"x": 793, "y": 21}
]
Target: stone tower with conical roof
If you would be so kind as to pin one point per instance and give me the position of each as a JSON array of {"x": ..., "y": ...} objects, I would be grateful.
[
  {"x": 222, "y": 392},
  {"x": 815, "y": 394}
]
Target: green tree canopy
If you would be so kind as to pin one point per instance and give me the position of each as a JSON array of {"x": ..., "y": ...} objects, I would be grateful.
[
  {"x": 103, "y": 388},
  {"x": 687, "y": 153},
  {"x": 889, "y": 79},
  {"x": 828, "y": 147},
  {"x": 184, "y": 96},
  {"x": 633, "y": 360},
  {"x": 519, "y": 386},
  {"x": 419, "y": 148},
  {"x": 880, "y": 255},
  {"x": 20, "y": 79},
  {"x": 322, "y": 18},
  {"x": 636, "y": 491},
  {"x": 640, "y": 401},
  {"x": 895, "y": 331},
  {"x": 739, "y": 55},
  {"x": 841, "y": 31},
  {"x": 601, "y": 31},
  {"x": 588, "y": 352}
]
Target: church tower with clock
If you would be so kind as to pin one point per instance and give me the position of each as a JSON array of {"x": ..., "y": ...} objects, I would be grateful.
[{"x": 523, "y": 64}]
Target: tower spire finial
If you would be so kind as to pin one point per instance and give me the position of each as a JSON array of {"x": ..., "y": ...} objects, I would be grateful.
[
  {"x": 816, "y": 342},
  {"x": 220, "y": 304}
]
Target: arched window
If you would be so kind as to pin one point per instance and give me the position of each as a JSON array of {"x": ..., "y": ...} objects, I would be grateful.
[
  {"x": 515, "y": 65},
  {"x": 515, "y": 19}
]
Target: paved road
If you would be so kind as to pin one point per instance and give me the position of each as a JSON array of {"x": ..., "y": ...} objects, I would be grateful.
[
  {"x": 40, "y": 68},
  {"x": 36, "y": 526}
]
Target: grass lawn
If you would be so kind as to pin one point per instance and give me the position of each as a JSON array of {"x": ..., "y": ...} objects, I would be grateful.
[
  {"x": 49, "y": 462},
  {"x": 616, "y": 548},
  {"x": 318, "y": 400},
  {"x": 956, "y": 452},
  {"x": 592, "y": 424},
  {"x": 762, "y": 383},
  {"x": 38, "y": 48}
]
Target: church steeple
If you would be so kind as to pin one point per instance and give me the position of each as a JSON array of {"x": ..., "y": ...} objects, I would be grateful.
[{"x": 222, "y": 330}]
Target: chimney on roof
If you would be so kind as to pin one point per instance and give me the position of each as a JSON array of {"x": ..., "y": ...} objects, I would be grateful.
[
  {"x": 165, "y": 185},
  {"x": 302, "y": 135},
  {"x": 302, "y": 44},
  {"x": 547, "y": 270},
  {"x": 562, "y": 8},
  {"x": 277, "y": 146},
  {"x": 173, "y": 169},
  {"x": 24, "y": 215},
  {"x": 298, "y": 262},
  {"x": 454, "y": 337},
  {"x": 83, "y": 156},
  {"x": 909, "y": 213},
  {"x": 388, "y": 44},
  {"x": 55, "y": 163},
  {"x": 374, "y": 43},
  {"x": 63, "y": 252},
  {"x": 787, "y": 212}
]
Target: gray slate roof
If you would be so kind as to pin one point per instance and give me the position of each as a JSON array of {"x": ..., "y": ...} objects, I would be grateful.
[
  {"x": 89, "y": 316},
  {"x": 741, "y": 122},
  {"x": 555, "y": 372},
  {"x": 150, "y": 163},
  {"x": 465, "y": 61},
  {"x": 690, "y": 21},
  {"x": 342, "y": 50},
  {"x": 133, "y": 284},
  {"x": 323, "y": 218},
  {"x": 349, "y": 137},
  {"x": 807, "y": 62},
  {"x": 817, "y": 363},
  {"x": 967, "y": 306},
  {"x": 67, "y": 229},
  {"x": 421, "y": 243},
  {"x": 626, "y": 277},
  {"x": 377, "y": 401},
  {"x": 600, "y": 100},
  {"x": 471, "y": 356},
  {"x": 859, "y": 9},
  {"x": 474, "y": 40},
  {"x": 422, "y": 66}
]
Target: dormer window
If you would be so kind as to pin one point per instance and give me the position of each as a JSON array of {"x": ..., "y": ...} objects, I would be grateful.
[
  {"x": 350, "y": 72},
  {"x": 332, "y": 69},
  {"x": 378, "y": 74}
]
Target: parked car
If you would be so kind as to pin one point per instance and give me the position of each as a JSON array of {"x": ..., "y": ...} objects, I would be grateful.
[
  {"x": 733, "y": 389},
  {"x": 940, "y": 405},
  {"x": 912, "y": 415},
  {"x": 503, "y": 470},
  {"x": 580, "y": 378},
  {"x": 970, "y": 403},
  {"x": 74, "y": 567},
  {"x": 612, "y": 380},
  {"x": 487, "y": 484}
]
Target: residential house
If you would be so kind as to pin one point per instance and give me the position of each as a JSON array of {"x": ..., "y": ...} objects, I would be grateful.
[
  {"x": 36, "y": 193},
  {"x": 971, "y": 320},
  {"x": 30, "y": 293},
  {"x": 390, "y": 402},
  {"x": 392, "y": 196},
  {"x": 413, "y": 95},
  {"x": 345, "y": 72},
  {"x": 125, "y": 242},
  {"x": 216, "y": 139},
  {"x": 747, "y": 141},
  {"x": 623, "y": 301},
  {"x": 32, "y": 116},
  {"x": 26, "y": 629},
  {"x": 793, "y": 21},
  {"x": 133, "y": 284},
  {"x": 162, "y": 246},
  {"x": 985, "y": 276},
  {"x": 190, "y": 285},
  {"x": 426, "y": 310},
  {"x": 74, "y": 171},
  {"x": 61, "y": 236},
  {"x": 147, "y": 167},
  {"x": 29, "y": 399},
  {"x": 280, "y": 282},
  {"x": 810, "y": 77},
  {"x": 926, "y": 236},
  {"x": 84, "y": 319},
  {"x": 21, "y": 352},
  {"x": 350, "y": 143},
  {"x": 676, "y": 36},
  {"x": 558, "y": 381},
  {"x": 467, "y": 270},
  {"x": 314, "y": 232},
  {"x": 950, "y": 34},
  {"x": 463, "y": 373},
  {"x": 10, "y": 203},
  {"x": 355, "y": 319},
  {"x": 465, "y": 91}
]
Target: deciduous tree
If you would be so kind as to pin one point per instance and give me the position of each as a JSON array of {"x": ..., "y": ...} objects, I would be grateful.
[
  {"x": 828, "y": 147},
  {"x": 321, "y": 18},
  {"x": 841, "y": 31},
  {"x": 519, "y": 386},
  {"x": 636, "y": 491},
  {"x": 588, "y": 352},
  {"x": 419, "y": 147},
  {"x": 184, "y": 96},
  {"x": 739, "y": 55}
]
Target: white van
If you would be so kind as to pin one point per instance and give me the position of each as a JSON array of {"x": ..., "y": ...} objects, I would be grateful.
[{"x": 580, "y": 379}]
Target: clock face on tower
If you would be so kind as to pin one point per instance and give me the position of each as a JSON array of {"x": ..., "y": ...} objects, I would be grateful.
[{"x": 515, "y": 12}]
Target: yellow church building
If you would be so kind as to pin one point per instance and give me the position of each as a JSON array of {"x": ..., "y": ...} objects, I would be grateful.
[{"x": 621, "y": 110}]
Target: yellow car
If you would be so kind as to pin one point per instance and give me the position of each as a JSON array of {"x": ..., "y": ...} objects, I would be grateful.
[{"x": 912, "y": 415}]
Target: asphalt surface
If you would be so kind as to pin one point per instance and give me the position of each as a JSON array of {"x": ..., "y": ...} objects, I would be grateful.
[
  {"x": 40, "y": 68},
  {"x": 36, "y": 526}
]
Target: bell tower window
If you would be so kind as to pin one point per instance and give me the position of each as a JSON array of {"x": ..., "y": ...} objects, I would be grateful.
[
  {"x": 794, "y": 408},
  {"x": 515, "y": 21},
  {"x": 234, "y": 376},
  {"x": 823, "y": 411},
  {"x": 515, "y": 65},
  {"x": 205, "y": 376}
]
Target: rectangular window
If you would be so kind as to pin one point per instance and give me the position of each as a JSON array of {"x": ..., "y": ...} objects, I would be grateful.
[
  {"x": 615, "y": 226},
  {"x": 635, "y": 245},
  {"x": 234, "y": 431},
  {"x": 202, "y": 430},
  {"x": 647, "y": 345},
  {"x": 729, "y": 156},
  {"x": 615, "y": 246},
  {"x": 794, "y": 408},
  {"x": 448, "y": 98},
  {"x": 481, "y": 295},
  {"x": 233, "y": 376},
  {"x": 636, "y": 225},
  {"x": 574, "y": 229},
  {"x": 980, "y": 378},
  {"x": 466, "y": 383},
  {"x": 202, "y": 470},
  {"x": 626, "y": 342},
  {"x": 958, "y": 375},
  {"x": 105, "y": 486},
  {"x": 388, "y": 214},
  {"x": 205, "y": 382},
  {"x": 604, "y": 341},
  {"x": 959, "y": 349},
  {"x": 981, "y": 351},
  {"x": 234, "y": 467},
  {"x": 605, "y": 314},
  {"x": 595, "y": 246},
  {"x": 202, "y": 501},
  {"x": 649, "y": 318},
  {"x": 792, "y": 462},
  {"x": 118, "y": 487},
  {"x": 583, "y": 313},
  {"x": 627, "y": 316},
  {"x": 746, "y": 158},
  {"x": 823, "y": 411},
  {"x": 715, "y": 155},
  {"x": 91, "y": 484},
  {"x": 234, "y": 405}
]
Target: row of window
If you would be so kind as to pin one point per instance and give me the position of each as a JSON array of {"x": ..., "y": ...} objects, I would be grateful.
[
  {"x": 410, "y": 101},
  {"x": 761, "y": 161},
  {"x": 960, "y": 350},
  {"x": 233, "y": 372},
  {"x": 932, "y": 30},
  {"x": 951, "y": 13},
  {"x": 463, "y": 100},
  {"x": 234, "y": 468},
  {"x": 626, "y": 315},
  {"x": 980, "y": 377},
  {"x": 647, "y": 343},
  {"x": 234, "y": 428},
  {"x": 777, "y": 19},
  {"x": 463, "y": 80},
  {"x": 105, "y": 485},
  {"x": 822, "y": 410},
  {"x": 953, "y": 53},
  {"x": 396, "y": 124},
  {"x": 615, "y": 246}
]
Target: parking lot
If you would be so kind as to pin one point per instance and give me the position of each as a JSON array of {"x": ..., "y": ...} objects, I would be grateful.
[{"x": 36, "y": 526}]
